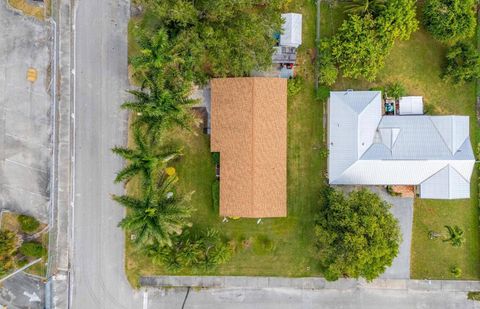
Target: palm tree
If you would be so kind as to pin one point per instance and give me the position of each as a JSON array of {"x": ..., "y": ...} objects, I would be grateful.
[
  {"x": 456, "y": 236},
  {"x": 161, "y": 109},
  {"x": 145, "y": 159},
  {"x": 158, "y": 215},
  {"x": 363, "y": 7},
  {"x": 163, "y": 62}
]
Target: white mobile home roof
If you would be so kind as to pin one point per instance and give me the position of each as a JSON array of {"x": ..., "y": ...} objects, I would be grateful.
[
  {"x": 291, "y": 30},
  {"x": 368, "y": 149}
]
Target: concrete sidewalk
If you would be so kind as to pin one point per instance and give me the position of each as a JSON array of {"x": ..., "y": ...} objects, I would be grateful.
[{"x": 312, "y": 283}]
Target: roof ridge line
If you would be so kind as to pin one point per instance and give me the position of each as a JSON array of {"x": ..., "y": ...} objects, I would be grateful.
[
  {"x": 441, "y": 136},
  {"x": 378, "y": 93},
  {"x": 438, "y": 171},
  {"x": 468, "y": 181}
]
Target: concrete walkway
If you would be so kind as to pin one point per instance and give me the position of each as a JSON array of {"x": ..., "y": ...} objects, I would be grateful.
[{"x": 310, "y": 283}]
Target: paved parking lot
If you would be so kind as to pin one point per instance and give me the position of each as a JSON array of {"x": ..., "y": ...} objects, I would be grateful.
[
  {"x": 22, "y": 291},
  {"x": 25, "y": 125}
]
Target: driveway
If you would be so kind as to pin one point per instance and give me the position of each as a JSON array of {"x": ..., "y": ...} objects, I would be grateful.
[
  {"x": 25, "y": 125},
  {"x": 402, "y": 209}
]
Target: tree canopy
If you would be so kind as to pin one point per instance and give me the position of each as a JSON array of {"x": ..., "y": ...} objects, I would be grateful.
[
  {"x": 359, "y": 49},
  {"x": 364, "y": 7},
  {"x": 145, "y": 159},
  {"x": 230, "y": 38},
  {"x": 399, "y": 19},
  {"x": 362, "y": 43},
  {"x": 159, "y": 215},
  {"x": 357, "y": 236},
  {"x": 450, "y": 20},
  {"x": 328, "y": 72},
  {"x": 463, "y": 63}
]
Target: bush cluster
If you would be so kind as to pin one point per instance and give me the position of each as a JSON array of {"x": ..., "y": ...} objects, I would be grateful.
[
  {"x": 28, "y": 224},
  {"x": 32, "y": 249}
]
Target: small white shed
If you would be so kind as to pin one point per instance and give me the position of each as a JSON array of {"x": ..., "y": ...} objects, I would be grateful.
[
  {"x": 410, "y": 105},
  {"x": 291, "y": 30}
]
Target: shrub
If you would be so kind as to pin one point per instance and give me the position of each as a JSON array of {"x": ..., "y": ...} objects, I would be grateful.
[
  {"x": 463, "y": 63},
  {"x": 202, "y": 250},
  {"x": 327, "y": 71},
  {"x": 294, "y": 86},
  {"x": 263, "y": 245},
  {"x": 395, "y": 90},
  {"x": 473, "y": 295},
  {"x": 450, "y": 20},
  {"x": 357, "y": 236},
  {"x": 456, "y": 271},
  {"x": 455, "y": 236},
  {"x": 28, "y": 224},
  {"x": 8, "y": 249},
  {"x": 216, "y": 195},
  {"x": 216, "y": 158},
  {"x": 323, "y": 93},
  {"x": 32, "y": 249}
]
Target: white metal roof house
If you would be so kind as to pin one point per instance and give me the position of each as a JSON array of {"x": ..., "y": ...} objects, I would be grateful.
[{"x": 366, "y": 148}]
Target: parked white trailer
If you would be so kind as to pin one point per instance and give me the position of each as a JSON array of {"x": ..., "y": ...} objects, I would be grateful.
[{"x": 291, "y": 30}]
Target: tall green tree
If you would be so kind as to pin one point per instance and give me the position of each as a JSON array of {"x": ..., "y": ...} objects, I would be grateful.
[
  {"x": 159, "y": 215},
  {"x": 145, "y": 159},
  {"x": 357, "y": 236},
  {"x": 234, "y": 37},
  {"x": 363, "y": 7},
  {"x": 463, "y": 63},
  {"x": 450, "y": 20},
  {"x": 161, "y": 109},
  {"x": 359, "y": 48},
  {"x": 399, "y": 19},
  {"x": 163, "y": 61}
]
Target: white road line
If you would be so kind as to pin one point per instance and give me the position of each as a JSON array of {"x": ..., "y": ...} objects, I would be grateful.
[
  {"x": 145, "y": 299},
  {"x": 72, "y": 149}
]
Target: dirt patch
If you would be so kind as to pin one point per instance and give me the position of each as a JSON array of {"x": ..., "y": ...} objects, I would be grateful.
[{"x": 37, "y": 11}]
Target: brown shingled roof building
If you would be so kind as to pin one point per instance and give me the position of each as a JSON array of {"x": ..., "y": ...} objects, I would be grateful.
[{"x": 249, "y": 129}]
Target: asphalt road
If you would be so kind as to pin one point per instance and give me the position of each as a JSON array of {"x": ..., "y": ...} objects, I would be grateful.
[{"x": 100, "y": 81}]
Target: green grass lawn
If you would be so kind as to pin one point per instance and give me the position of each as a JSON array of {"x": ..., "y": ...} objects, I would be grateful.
[
  {"x": 292, "y": 236},
  {"x": 417, "y": 64}
]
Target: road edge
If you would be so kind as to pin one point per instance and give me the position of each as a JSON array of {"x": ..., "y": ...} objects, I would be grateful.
[{"x": 58, "y": 273}]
